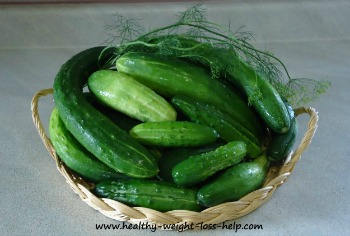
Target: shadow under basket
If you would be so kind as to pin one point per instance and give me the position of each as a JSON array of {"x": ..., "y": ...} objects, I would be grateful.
[{"x": 277, "y": 175}]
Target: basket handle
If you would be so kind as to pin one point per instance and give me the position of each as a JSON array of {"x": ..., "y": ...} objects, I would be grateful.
[
  {"x": 305, "y": 141},
  {"x": 37, "y": 122}
]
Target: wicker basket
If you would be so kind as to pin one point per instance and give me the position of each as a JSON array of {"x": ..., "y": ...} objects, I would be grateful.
[{"x": 218, "y": 214}]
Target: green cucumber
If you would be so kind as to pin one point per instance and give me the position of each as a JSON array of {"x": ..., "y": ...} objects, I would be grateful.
[
  {"x": 98, "y": 134},
  {"x": 264, "y": 98},
  {"x": 75, "y": 156},
  {"x": 281, "y": 145},
  {"x": 228, "y": 129},
  {"x": 198, "y": 168},
  {"x": 173, "y": 134},
  {"x": 269, "y": 105},
  {"x": 170, "y": 76},
  {"x": 121, "y": 120},
  {"x": 157, "y": 195},
  {"x": 122, "y": 93},
  {"x": 234, "y": 183},
  {"x": 174, "y": 156}
]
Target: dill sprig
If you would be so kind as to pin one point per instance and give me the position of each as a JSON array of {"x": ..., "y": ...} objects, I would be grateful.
[
  {"x": 192, "y": 31},
  {"x": 123, "y": 30}
]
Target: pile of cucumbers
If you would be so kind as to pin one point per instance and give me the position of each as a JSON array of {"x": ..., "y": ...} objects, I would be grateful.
[{"x": 160, "y": 132}]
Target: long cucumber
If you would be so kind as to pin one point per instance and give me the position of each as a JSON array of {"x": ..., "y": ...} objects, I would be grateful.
[
  {"x": 269, "y": 104},
  {"x": 98, "y": 134},
  {"x": 75, "y": 156},
  {"x": 173, "y": 134},
  {"x": 170, "y": 76},
  {"x": 161, "y": 196}
]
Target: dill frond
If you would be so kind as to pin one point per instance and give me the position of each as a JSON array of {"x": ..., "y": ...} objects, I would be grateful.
[
  {"x": 123, "y": 30},
  {"x": 191, "y": 32}
]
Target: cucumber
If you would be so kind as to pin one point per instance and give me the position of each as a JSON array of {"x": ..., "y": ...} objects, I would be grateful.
[
  {"x": 281, "y": 144},
  {"x": 228, "y": 129},
  {"x": 234, "y": 183},
  {"x": 157, "y": 195},
  {"x": 122, "y": 93},
  {"x": 174, "y": 156},
  {"x": 121, "y": 120},
  {"x": 173, "y": 134},
  {"x": 170, "y": 76},
  {"x": 198, "y": 168},
  {"x": 98, "y": 134},
  {"x": 75, "y": 156},
  {"x": 269, "y": 105}
]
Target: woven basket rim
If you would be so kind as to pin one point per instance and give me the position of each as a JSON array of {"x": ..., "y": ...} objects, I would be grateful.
[{"x": 277, "y": 175}]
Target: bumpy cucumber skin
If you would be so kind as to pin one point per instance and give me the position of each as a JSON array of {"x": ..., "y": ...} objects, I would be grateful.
[
  {"x": 157, "y": 195},
  {"x": 174, "y": 156},
  {"x": 228, "y": 128},
  {"x": 169, "y": 76},
  {"x": 98, "y": 134},
  {"x": 75, "y": 156},
  {"x": 269, "y": 106},
  {"x": 173, "y": 134},
  {"x": 281, "y": 144},
  {"x": 234, "y": 183},
  {"x": 121, "y": 92},
  {"x": 121, "y": 120},
  {"x": 198, "y": 168}
]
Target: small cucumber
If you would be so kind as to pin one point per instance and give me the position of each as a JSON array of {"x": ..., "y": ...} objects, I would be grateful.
[
  {"x": 157, "y": 195},
  {"x": 124, "y": 94},
  {"x": 174, "y": 156},
  {"x": 75, "y": 156},
  {"x": 234, "y": 183},
  {"x": 281, "y": 144},
  {"x": 170, "y": 76},
  {"x": 173, "y": 134},
  {"x": 198, "y": 168},
  {"x": 228, "y": 128}
]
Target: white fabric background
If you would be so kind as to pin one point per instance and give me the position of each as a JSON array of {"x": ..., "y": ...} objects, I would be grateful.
[{"x": 311, "y": 37}]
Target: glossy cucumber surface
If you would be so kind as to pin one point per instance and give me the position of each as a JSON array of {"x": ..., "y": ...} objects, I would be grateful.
[
  {"x": 228, "y": 128},
  {"x": 173, "y": 134},
  {"x": 75, "y": 156},
  {"x": 123, "y": 121},
  {"x": 170, "y": 76},
  {"x": 281, "y": 144},
  {"x": 266, "y": 101},
  {"x": 157, "y": 195},
  {"x": 98, "y": 134},
  {"x": 125, "y": 94},
  {"x": 172, "y": 157},
  {"x": 235, "y": 182},
  {"x": 198, "y": 168}
]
